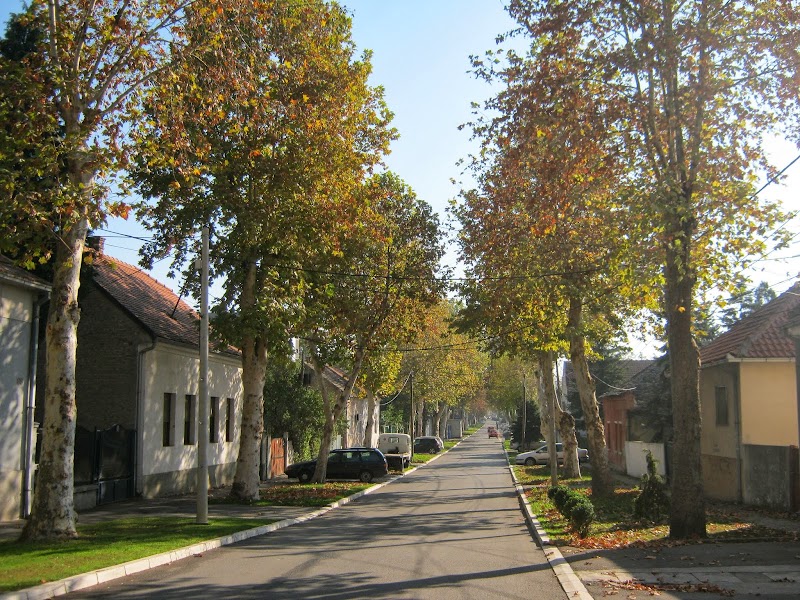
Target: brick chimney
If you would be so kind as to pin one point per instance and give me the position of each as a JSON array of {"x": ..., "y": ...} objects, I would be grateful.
[{"x": 96, "y": 243}]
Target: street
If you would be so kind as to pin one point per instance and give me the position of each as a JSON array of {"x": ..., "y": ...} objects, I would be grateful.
[{"x": 451, "y": 529}]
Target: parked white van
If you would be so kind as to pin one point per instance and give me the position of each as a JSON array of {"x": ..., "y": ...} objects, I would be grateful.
[{"x": 397, "y": 449}]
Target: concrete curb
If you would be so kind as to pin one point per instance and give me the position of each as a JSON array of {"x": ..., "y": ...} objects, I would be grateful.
[
  {"x": 86, "y": 580},
  {"x": 571, "y": 584}
]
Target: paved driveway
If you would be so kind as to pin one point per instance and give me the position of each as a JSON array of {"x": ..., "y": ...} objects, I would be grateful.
[{"x": 451, "y": 529}]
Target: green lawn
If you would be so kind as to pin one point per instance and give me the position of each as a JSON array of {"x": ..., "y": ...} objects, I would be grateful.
[
  {"x": 616, "y": 527},
  {"x": 107, "y": 544}
]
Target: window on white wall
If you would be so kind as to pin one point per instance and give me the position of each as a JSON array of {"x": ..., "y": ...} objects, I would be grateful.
[
  {"x": 190, "y": 420},
  {"x": 229, "y": 419},
  {"x": 213, "y": 414},
  {"x": 721, "y": 402},
  {"x": 168, "y": 431}
]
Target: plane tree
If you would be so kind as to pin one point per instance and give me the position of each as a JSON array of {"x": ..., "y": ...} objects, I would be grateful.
[
  {"x": 549, "y": 201},
  {"x": 66, "y": 101},
  {"x": 371, "y": 290},
  {"x": 447, "y": 367},
  {"x": 379, "y": 378},
  {"x": 694, "y": 87},
  {"x": 261, "y": 130}
]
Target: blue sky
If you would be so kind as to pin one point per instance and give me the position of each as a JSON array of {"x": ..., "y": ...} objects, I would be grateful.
[{"x": 421, "y": 52}]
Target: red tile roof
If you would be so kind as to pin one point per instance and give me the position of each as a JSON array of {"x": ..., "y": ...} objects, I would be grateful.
[
  {"x": 759, "y": 335},
  {"x": 151, "y": 303}
]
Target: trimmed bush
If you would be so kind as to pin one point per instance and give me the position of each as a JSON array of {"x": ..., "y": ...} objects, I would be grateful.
[
  {"x": 559, "y": 495},
  {"x": 575, "y": 507},
  {"x": 652, "y": 503},
  {"x": 581, "y": 517}
]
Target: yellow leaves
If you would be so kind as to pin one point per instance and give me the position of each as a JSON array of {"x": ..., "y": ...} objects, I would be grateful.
[
  {"x": 174, "y": 185},
  {"x": 681, "y": 309}
]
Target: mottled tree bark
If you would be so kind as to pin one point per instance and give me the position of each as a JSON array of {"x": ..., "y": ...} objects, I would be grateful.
[
  {"x": 602, "y": 482},
  {"x": 53, "y": 512},
  {"x": 369, "y": 437},
  {"x": 548, "y": 413},
  {"x": 254, "y": 367},
  {"x": 566, "y": 427},
  {"x": 441, "y": 419}
]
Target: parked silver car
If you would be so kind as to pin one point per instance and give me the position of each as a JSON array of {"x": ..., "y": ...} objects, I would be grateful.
[{"x": 541, "y": 456}]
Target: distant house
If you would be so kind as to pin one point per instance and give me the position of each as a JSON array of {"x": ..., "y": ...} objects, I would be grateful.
[
  {"x": 137, "y": 379},
  {"x": 21, "y": 296},
  {"x": 356, "y": 412},
  {"x": 749, "y": 408},
  {"x": 630, "y": 428}
]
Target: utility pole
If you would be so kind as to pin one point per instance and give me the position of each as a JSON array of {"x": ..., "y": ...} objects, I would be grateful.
[
  {"x": 411, "y": 429},
  {"x": 524, "y": 412},
  {"x": 202, "y": 434}
]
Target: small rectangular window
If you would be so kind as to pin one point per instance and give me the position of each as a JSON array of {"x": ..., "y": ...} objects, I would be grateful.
[
  {"x": 190, "y": 420},
  {"x": 229, "y": 419},
  {"x": 168, "y": 432},
  {"x": 721, "y": 403},
  {"x": 213, "y": 421}
]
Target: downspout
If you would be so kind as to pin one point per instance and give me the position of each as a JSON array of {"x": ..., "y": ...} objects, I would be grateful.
[
  {"x": 139, "y": 416},
  {"x": 28, "y": 449},
  {"x": 737, "y": 423}
]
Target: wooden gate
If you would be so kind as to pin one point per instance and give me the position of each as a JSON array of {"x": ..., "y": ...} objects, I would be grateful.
[{"x": 277, "y": 457}]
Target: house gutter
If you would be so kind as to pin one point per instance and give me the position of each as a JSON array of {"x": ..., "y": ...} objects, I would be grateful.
[
  {"x": 140, "y": 388},
  {"x": 733, "y": 359},
  {"x": 737, "y": 423},
  {"x": 28, "y": 448}
]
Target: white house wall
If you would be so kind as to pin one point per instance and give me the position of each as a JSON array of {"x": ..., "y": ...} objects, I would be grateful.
[
  {"x": 15, "y": 336},
  {"x": 170, "y": 469}
]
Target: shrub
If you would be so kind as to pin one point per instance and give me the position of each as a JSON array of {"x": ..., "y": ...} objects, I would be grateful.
[
  {"x": 575, "y": 507},
  {"x": 652, "y": 503},
  {"x": 559, "y": 495},
  {"x": 581, "y": 517}
]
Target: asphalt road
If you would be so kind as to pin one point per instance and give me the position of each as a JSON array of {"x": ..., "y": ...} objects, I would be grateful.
[{"x": 451, "y": 529}]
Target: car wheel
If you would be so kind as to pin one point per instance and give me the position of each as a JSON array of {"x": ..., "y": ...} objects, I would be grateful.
[
  {"x": 304, "y": 476},
  {"x": 365, "y": 476},
  {"x": 529, "y": 462}
]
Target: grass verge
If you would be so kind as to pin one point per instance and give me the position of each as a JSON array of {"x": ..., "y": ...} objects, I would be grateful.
[
  {"x": 616, "y": 527},
  {"x": 107, "y": 544}
]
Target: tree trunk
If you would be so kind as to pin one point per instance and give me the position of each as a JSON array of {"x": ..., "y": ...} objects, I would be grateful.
[
  {"x": 549, "y": 396},
  {"x": 602, "y": 482},
  {"x": 687, "y": 513},
  {"x": 254, "y": 368},
  {"x": 53, "y": 512},
  {"x": 369, "y": 437},
  {"x": 321, "y": 470},
  {"x": 442, "y": 414},
  {"x": 566, "y": 427},
  {"x": 333, "y": 410}
]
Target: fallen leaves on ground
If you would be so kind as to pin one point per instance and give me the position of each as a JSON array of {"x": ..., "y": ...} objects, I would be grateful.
[{"x": 614, "y": 587}]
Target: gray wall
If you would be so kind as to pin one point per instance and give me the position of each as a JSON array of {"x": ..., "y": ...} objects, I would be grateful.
[{"x": 767, "y": 473}]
